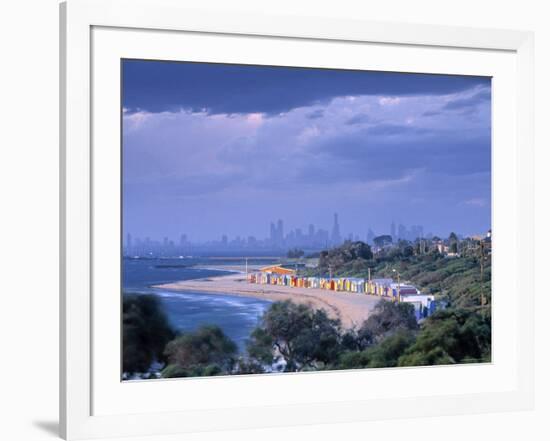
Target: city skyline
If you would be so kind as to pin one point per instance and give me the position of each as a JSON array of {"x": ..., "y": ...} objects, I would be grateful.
[
  {"x": 312, "y": 238},
  {"x": 214, "y": 150}
]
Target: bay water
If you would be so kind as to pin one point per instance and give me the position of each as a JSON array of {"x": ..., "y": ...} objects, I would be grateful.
[{"x": 187, "y": 311}]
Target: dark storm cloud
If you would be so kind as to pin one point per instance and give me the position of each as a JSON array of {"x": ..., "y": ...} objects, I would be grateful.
[
  {"x": 365, "y": 157},
  {"x": 167, "y": 86}
]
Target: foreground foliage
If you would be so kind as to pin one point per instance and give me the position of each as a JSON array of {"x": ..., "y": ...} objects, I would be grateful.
[
  {"x": 451, "y": 336},
  {"x": 305, "y": 338},
  {"x": 295, "y": 337},
  {"x": 206, "y": 352},
  {"x": 145, "y": 332}
]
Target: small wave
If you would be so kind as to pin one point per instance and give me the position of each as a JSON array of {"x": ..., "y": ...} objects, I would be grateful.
[
  {"x": 168, "y": 294},
  {"x": 217, "y": 303}
]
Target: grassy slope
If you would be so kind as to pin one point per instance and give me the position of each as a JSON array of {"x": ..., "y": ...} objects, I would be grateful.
[{"x": 457, "y": 280}]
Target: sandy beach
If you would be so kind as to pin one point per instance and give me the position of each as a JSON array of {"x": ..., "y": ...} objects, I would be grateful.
[{"x": 351, "y": 308}]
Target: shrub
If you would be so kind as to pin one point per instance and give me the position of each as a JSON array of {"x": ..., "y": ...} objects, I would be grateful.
[{"x": 145, "y": 332}]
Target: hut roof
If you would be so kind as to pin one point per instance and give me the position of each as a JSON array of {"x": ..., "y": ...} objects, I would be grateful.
[{"x": 277, "y": 269}]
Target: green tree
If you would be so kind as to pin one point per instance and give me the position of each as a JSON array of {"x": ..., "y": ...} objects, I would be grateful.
[
  {"x": 305, "y": 338},
  {"x": 386, "y": 318},
  {"x": 451, "y": 336},
  {"x": 206, "y": 352},
  {"x": 247, "y": 365},
  {"x": 295, "y": 253},
  {"x": 384, "y": 354},
  {"x": 408, "y": 251},
  {"x": 453, "y": 243},
  {"x": 349, "y": 253},
  {"x": 388, "y": 351},
  {"x": 145, "y": 332},
  {"x": 383, "y": 240}
]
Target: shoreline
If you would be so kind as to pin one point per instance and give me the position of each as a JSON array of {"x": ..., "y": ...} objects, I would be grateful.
[{"x": 351, "y": 308}]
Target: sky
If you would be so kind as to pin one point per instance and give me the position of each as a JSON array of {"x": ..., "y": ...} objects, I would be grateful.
[{"x": 212, "y": 149}]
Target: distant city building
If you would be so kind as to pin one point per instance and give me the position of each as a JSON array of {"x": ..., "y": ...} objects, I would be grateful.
[
  {"x": 280, "y": 232},
  {"x": 306, "y": 238},
  {"x": 417, "y": 232},
  {"x": 336, "y": 238},
  {"x": 370, "y": 237},
  {"x": 322, "y": 238},
  {"x": 272, "y": 233},
  {"x": 183, "y": 240},
  {"x": 401, "y": 232}
]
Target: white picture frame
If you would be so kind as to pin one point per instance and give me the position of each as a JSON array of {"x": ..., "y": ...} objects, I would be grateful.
[{"x": 80, "y": 309}]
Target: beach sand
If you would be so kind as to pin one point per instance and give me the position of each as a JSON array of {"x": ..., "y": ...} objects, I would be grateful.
[{"x": 351, "y": 308}]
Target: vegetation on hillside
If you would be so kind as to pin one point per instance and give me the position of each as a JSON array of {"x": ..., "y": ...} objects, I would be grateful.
[{"x": 456, "y": 280}]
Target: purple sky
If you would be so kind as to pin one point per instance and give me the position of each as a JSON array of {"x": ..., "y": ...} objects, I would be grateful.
[{"x": 218, "y": 149}]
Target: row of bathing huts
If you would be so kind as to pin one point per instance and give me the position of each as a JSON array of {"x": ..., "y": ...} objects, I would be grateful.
[{"x": 424, "y": 304}]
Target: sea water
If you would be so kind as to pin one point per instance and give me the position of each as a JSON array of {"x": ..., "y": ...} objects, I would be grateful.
[{"x": 187, "y": 311}]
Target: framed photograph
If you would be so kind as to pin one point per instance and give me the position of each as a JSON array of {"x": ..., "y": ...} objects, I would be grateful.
[{"x": 280, "y": 220}]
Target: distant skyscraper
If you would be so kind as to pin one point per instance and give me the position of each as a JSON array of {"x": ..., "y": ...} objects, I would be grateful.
[
  {"x": 336, "y": 238},
  {"x": 311, "y": 231},
  {"x": 322, "y": 237},
  {"x": 402, "y": 232},
  {"x": 392, "y": 231},
  {"x": 370, "y": 237},
  {"x": 129, "y": 242},
  {"x": 280, "y": 232},
  {"x": 417, "y": 232},
  {"x": 272, "y": 233},
  {"x": 183, "y": 240}
]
